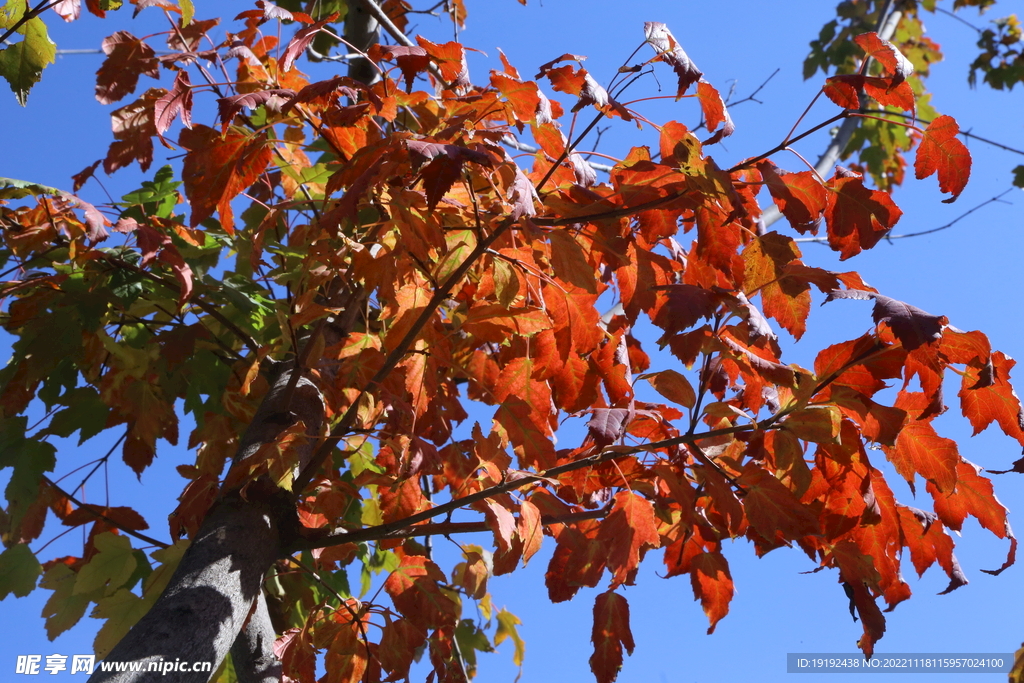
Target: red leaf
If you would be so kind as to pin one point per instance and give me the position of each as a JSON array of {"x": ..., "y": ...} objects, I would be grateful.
[
  {"x": 610, "y": 635},
  {"x": 993, "y": 401},
  {"x": 547, "y": 67},
  {"x": 82, "y": 176},
  {"x": 177, "y": 101},
  {"x": 411, "y": 60},
  {"x": 217, "y": 169},
  {"x": 842, "y": 91},
  {"x": 524, "y": 97},
  {"x": 134, "y": 127},
  {"x": 972, "y": 495},
  {"x": 912, "y": 326},
  {"x": 886, "y": 54},
  {"x": 530, "y": 529},
  {"x": 628, "y": 531},
  {"x": 522, "y": 195},
  {"x": 941, "y": 151},
  {"x": 670, "y": 52},
  {"x": 607, "y": 425},
  {"x": 801, "y": 198},
  {"x": 715, "y": 112},
  {"x": 857, "y": 217},
  {"x": 301, "y": 40},
  {"x": 712, "y": 584},
  {"x": 414, "y": 588},
  {"x": 298, "y": 658},
  {"x": 128, "y": 57},
  {"x": 450, "y": 57},
  {"x": 227, "y": 107},
  {"x": 502, "y": 524},
  {"x": 772, "y": 509},
  {"x": 919, "y": 449}
]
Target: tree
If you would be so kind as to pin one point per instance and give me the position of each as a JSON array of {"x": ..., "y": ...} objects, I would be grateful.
[{"x": 392, "y": 263}]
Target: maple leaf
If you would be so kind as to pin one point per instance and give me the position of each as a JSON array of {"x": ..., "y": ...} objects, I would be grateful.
[
  {"x": 712, "y": 585},
  {"x": 670, "y": 52},
  {"x": 886, "y": 54},
  {"x": 919, "y": 449},
  {"x": 128, "y": 58},
  {"x": 301, "y": 40},
  {"x": 994, "y": 400},
  {"x": 450, "y": 58},
  {"x": 943, "y": 153},
  {"x": 801, "y": 198},
  {"x": 845, "y": 90},
  {"x": 856, "y": 217},
  {"x": 414, "y": 588},
  {"x": 912, "y": 326},
  {"x": 772, "y": 509},
  {"x": 228, "y": 107},
  {"x": 715, "y": 112},
  {"x": 971, "y": 494},
  {"x": 629, "y": 530},
  {"x": 607, "y": 425},
  {"x": 217, "y": 168},
  {"x": 134, "y": 129},
  {"x": 177, "y": 101},
  {"x": 610, "y": 636}
]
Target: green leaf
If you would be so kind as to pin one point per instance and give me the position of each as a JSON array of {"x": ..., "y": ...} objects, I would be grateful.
[
  {"x": 29, "y": 459},
  {"x": 168, "y": 558},
  {"x": 19, "y": 570},
  {"x": 158, "y": 197},
  {"x": 16, "y": 189},
  {"x": 23, "y": 63},
  {"x": 64, "y": 609},
  {"x": 122, "y": 610},
  {"x": 85, "y": 412},
  {"x": 188, "y": 11},
  {"x": 112, "y": 566},
  {"x": 1018, "y": 177},
  {"x": 507, "y": 623},
  {"x": 471, "y": 638}
]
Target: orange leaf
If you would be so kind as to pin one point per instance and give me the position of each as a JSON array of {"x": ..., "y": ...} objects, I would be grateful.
[
  {"x": 986, "y": 397},
  {"x": 972, "y": 495},
  {"x": 886, "y": 54},
  {"x": 217, "y": 169},
  {"x": 857, "y": 217},
  {"x": 712, "y": 584},
  {"x": 942, "y": 152},
  {"x": 772, "y": 509},
  {"x": 673, "y": 386},
  {"x": 800, "y": 196},
  {"x": 628, "y": 531},
  {"x": 414, "y": 588},
  {"x": 530, "y": 529},
  {"x": 920, "y": 450},
  {"x": 715, "y": 112}
]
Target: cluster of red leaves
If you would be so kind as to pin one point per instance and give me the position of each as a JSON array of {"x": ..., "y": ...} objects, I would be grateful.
[{"x": 485, "y": 280}]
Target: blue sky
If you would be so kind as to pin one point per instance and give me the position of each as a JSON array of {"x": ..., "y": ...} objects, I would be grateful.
[{"x": 968, "y": 273}]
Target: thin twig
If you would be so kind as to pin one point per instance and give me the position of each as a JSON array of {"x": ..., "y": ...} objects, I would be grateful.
[
  {"x": 824, "y": 240},
  {"x": 27, "y": 17},
  {"x": 100, "y": 515}
]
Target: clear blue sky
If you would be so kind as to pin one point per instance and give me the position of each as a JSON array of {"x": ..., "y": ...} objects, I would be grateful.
[{"x": 968, "y": 273}]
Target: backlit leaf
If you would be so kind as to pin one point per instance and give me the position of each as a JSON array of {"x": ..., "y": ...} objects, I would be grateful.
[
  {"x": 611, "y": 635},
  {"x": 942, "y": 152}
]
